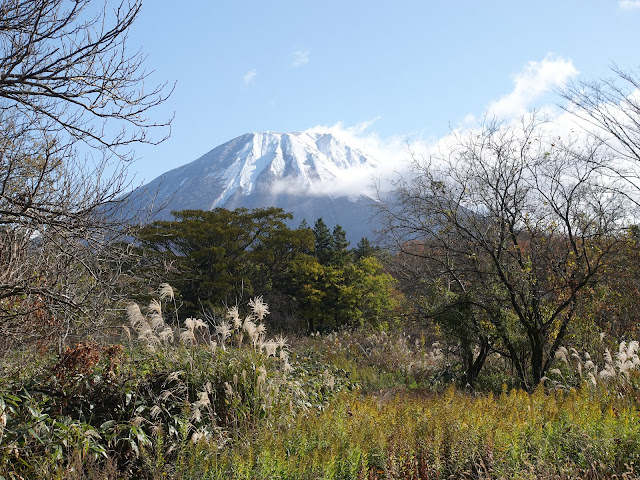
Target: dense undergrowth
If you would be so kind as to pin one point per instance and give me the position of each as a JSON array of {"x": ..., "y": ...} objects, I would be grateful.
[
  {"x": 513, "y": 435},
  {"x": 224, "y": 401}
]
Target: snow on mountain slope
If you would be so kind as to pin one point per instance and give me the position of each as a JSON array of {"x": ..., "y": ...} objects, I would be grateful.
[{"x": 308, "y": 174}]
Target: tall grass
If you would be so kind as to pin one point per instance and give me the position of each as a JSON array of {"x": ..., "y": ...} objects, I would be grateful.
[
  {"x": 219, "y": 399},
  {"x": 513, "y": 435},
  {"x": 142, "y": 409}
]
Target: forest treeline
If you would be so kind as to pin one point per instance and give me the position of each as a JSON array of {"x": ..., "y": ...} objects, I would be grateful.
[{"x": 311, "y": 277}]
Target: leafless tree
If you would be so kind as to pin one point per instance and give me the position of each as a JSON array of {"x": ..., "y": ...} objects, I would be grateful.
[
  {"x": 609, "y": 109},
  {"x": 72, "y": 107},
  {"x": 505, "y": 230}
]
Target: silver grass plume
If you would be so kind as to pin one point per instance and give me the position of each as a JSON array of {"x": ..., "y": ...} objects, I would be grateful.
[
  {"x": 224, "y": 331},
  {"x": 154, "y": 307},
  {"x": 157, "y": 322},
  {"x": 561, "y": 354},
  {"x": 134, "y": 315},
  {"x": 260, "y": 309},
  {"x": 166, "y": 335},
  {"x": 166, "y": 291},
  {"x": 270, "y": 348},
  {"x": 234, "y": 315},
  {"x": 282, "y": 342}
]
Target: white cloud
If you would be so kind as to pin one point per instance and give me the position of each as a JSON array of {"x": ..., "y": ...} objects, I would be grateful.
[
  {"x": 629, "y": 4},
  {"x": 469, "y": 119},
  {"x": 300, "y": 57},
  {"x": 389, "y": 154},
  {"x": 386, "y": 154},
  {"x": 248, "y": 77},
  {"x": 535, "y": 79},
  {"x": 386, "y": 151},
  {"x": 393, "y": 154}
]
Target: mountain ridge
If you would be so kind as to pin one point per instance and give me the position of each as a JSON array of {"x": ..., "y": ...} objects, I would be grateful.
[{"x": 309, "y": 174}]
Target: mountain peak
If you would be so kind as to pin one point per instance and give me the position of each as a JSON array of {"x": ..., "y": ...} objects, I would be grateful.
[{"x": 294, "y": 171}]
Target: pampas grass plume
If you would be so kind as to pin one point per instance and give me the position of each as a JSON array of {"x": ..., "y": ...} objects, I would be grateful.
[
  {"x": 154, "y": 307},
  {"x": 260, "y": 309},
  {"x": 166, "y": 291}
]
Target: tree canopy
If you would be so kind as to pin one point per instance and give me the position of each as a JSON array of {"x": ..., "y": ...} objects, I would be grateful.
[{"x": 217, "y": 257}]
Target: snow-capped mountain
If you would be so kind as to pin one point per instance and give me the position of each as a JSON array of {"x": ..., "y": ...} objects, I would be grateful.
[{"x": 311, "y": 175}]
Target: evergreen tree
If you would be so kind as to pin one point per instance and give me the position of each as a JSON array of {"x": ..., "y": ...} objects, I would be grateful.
[
  {"x": 364, "y": 249},
  {"x": 340, "y": 255},
  {"x": 323, "y": 241},
  {"x": 213, "y": 257}
]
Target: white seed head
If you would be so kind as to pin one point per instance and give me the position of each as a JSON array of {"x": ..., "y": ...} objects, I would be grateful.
[
  {"x": 199, "y": 323},
  {"x": 157, "y": 322},
  {"x": 228, "y": 390},
  {"x": 270, "y": 348},
  {"x": 607, "y": 373},
  {"x": 260, "y": 309},
  {"x": 166, "y": 335},
  {"x": 224, "y": 330},
  {"x": 282, "y": 342},
  {"x": 166, "y": 292},
  {"x": 607, "y": 356},
  {"x": 284, "y": 355},
  {"x": 187, "y": 337},
  {"x": 248, "y": 325},
  {"x": 196, "y": 416},
  {"x": 287, "y": 368},
  {"x": 234, "y": 315},
  {"x": 561, "y": 355},
  {"x": 203, "y": 400},
  {"x": 134, "y": 314},
  {"x": 154, "y": 307},
  {"x": 190, "y": 323}
]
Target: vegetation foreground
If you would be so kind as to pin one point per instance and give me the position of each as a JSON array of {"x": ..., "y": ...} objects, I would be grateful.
[{"x": 236, "y": 405}]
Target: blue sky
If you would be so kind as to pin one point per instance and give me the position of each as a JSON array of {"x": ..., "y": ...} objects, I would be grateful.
[{"x": 384, "y": 70}]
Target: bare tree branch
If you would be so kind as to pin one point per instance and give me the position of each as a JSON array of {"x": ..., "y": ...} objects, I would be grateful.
[
  {"x": 72, "y": 104},
  {"x": 513, "y": 222}
]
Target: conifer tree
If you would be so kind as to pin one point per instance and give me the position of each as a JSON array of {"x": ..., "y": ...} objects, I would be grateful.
[
  {"x": 364, "y": 249},
  {"x": 340, "y": 255},
  {"x": 323, "y": 241}
]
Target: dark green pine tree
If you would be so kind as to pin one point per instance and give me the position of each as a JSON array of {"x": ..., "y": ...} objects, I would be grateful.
[
  {"x": 323, "y": 241},
  {"x": 364, "y": 249},
  {"x": 341, "y": 255},
  {"x": 303, "y": 224}
]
